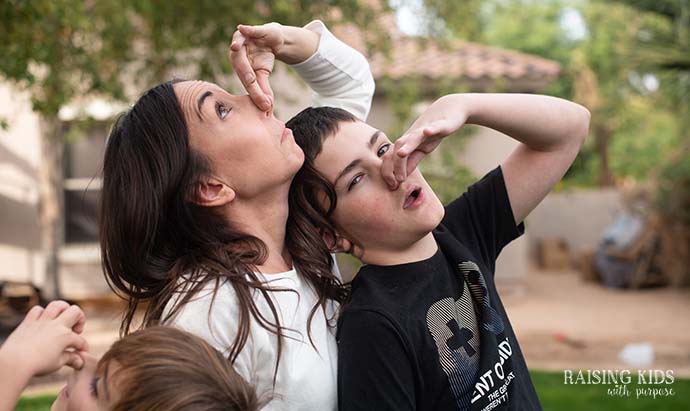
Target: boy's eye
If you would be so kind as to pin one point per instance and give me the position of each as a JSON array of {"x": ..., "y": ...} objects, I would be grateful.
[
  {"x": 222, "y": 110},
  {"x": 354, "y": 181},
  {"x": 383, "y": 149}
]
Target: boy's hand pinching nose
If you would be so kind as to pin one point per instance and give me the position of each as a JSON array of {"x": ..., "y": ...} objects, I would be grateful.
[{"x": 442, "y": 118}]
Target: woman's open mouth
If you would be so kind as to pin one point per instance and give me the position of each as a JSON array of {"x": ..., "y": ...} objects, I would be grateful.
[{"x": 414, "y": 197}]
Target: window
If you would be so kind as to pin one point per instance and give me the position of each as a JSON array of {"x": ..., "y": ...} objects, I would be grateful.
[{"x": 82, "y": 183}]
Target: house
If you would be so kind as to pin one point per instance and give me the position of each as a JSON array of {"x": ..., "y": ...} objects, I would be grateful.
[{"x": 476, "y": 67}]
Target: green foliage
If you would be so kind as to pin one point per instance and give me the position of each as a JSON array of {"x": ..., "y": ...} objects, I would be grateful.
[
  {"x": 633, "y": 127},
  {"x": 665, "y": 49},
  {"x": 646, "y": 139},
  {"x": 63, "y": 49},
  {"x": 673, "y": 198},
  {"x": 37, "y": 403}
]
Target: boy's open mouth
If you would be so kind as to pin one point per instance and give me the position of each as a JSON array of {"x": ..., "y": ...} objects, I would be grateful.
[{"x": 412, "y": 195}]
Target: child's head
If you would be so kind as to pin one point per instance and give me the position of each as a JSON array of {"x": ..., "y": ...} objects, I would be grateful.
[
  {"x": 159, "y": 368},
  {"x": 346, "y": 154}
]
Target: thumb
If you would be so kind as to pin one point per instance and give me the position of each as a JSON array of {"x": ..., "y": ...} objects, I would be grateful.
[
  {"x": 409, "y": 143},
  {"x": 439, "y": 128},
  {"x": 246, "y": 30},
  {"x": 253, "y": 31}
]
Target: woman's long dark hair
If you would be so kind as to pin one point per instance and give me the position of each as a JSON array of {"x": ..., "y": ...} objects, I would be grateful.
[{"x": 157, "y": 244}]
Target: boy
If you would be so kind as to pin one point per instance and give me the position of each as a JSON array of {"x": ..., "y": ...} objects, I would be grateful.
[{"x": 425, "y": 328}]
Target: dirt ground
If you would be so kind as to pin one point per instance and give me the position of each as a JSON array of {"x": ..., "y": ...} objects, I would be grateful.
[{"x": 598, "y": 322}]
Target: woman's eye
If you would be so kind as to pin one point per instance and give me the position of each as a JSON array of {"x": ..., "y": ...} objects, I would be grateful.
[
  {"x": 383, "y": 149},
  {"x": 222, "y": 110},
  {"x": 354, "y": 181}
]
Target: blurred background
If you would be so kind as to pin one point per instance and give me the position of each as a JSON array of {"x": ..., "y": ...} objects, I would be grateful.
[{"x": 599, "y": 280}]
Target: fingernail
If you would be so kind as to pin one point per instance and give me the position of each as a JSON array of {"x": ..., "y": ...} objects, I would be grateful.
[
  {"x": 266, "y": 105},
  {"x": 400, "y": 178},
  {"x": 249, "y": 77}
]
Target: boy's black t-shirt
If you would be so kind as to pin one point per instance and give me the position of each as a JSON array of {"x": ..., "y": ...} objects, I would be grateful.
[{"x": 433, "y": 335}]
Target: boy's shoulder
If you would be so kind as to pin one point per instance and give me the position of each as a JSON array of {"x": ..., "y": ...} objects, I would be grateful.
[{"x": 481, "y": 218}]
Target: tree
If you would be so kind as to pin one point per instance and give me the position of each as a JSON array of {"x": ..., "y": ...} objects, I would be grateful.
[
  {"x": 593, "y": 40},
  {"x": 665, "y": 50},
  {"x": 60, "y": 50}
]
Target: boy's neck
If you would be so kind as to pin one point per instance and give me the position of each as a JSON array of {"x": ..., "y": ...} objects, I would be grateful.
[{"x": 420, "y": 250}]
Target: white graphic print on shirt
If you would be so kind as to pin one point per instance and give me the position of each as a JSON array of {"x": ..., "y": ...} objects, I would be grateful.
[{"x": 454, "y": 327}]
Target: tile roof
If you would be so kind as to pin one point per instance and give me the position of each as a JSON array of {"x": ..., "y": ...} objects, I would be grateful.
[{"x": 411, "y": 56}]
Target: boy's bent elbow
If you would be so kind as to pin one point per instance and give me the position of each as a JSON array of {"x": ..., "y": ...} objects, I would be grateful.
[{"x": 582, "y": 124}]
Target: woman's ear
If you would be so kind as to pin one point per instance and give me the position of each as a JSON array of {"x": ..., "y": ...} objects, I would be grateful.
[{"x": 212, "y": 192}]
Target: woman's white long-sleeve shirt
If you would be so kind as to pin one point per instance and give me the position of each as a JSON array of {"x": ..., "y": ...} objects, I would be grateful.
[{"x": 306, "y": 376}]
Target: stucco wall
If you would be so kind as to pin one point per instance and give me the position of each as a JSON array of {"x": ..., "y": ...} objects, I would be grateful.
[
  {"x": 20, "y": 256},
  {"x": 577, "y": 216}
]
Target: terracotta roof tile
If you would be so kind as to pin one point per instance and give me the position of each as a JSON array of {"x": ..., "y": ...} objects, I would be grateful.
[{"x": 411, "y": 57}]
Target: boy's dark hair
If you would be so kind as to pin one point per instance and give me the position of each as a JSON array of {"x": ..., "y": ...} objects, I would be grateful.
[{"x": 310, "y": 128}]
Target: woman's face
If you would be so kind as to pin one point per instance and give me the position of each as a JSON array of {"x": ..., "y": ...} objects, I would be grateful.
[
  {"x": 84, "y": 390},
  {"x": 250, "y": 150}
]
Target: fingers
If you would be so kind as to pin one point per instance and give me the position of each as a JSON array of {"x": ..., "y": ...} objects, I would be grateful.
[
  {"x": 76, "y": 342},
  {"x": 399, "y": 161},
  {"x": 72, "y": 359},
  {"x": 269, "y": 33},
  {"x": 262, "y": 77},
  {"x": 242, "y": 66},
  {"x": 240, "y": 62},
  {"x": 73, "y": 318},
  {"x": 54, "y": 309},
  {"x": 34, "y": 313},
  {"x": 409, "y": 143},
  {"x": 237, "y": 41},
  {"x": 404, "y": 146},
  {"x": 413, "y": 160},
  {"x": 251, "y": 31}
]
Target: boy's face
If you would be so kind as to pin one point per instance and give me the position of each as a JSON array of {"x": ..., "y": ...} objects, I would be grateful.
[{"x": 368, "y": 212}]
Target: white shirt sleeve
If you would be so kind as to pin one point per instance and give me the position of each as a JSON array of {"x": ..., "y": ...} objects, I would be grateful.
[{"x": 338, "y": 74}]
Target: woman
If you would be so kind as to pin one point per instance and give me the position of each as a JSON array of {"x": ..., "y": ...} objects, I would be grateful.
[{"x": 195, "y": 217}]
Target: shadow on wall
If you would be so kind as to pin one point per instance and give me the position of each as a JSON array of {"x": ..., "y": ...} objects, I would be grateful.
[{"x": 19, "y": 224}]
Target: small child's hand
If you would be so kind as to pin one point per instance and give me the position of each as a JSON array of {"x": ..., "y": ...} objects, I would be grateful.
[
  {"x": 46, "y": 340},
  {"x": 442, "y": 118}
]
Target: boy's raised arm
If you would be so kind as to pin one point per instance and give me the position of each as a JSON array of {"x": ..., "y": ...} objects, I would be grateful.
[{"x": 551, "y": 132}]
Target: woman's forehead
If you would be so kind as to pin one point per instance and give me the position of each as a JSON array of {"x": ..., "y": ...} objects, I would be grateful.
[{"x": 189, "y": 93}]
